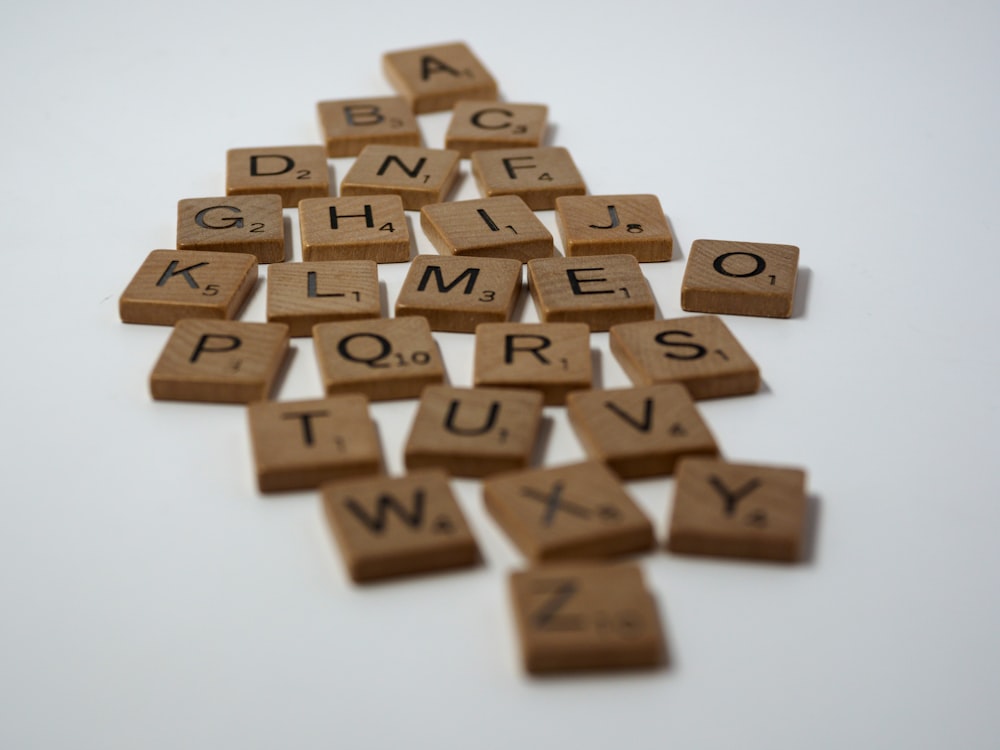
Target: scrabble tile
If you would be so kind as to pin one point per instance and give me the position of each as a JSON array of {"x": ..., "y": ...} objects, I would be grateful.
[
  {"x": 582, "y": 616},
  {"x": 419, "y": 176},
  {"x": 385, "y": 359},
  {"x": 250, "y": 224},
  {"x": 349, "y": 125},
  {"x": 372, "y": 227},
  {"x": 699, "y": 352},
  {"x": 175, "y": 284},
  {"x": 480, "y": 125},
  {"x": 433, "y": 78},
  {"x": 474, "y": 432},
  {"x": 301, "y": 444},
  {"x": 738, "y": 510},
  {"x": 740, "y": 278},
  {"x": 389, "y": 527},
  {"x": 492, "y": 227},
  {"x": 457, "y": 293},
  {"x": 567, "y": 512},
  {"x": 300, "y": 295},
  {"x": 537, "y": 175},
  {"x": 553, "y": 358},
  {"x": 293, "y": 172},
  {"x": 611, "y": 224},
  {"x": 640, "y": 432},
  {"x": 599, "y": 290},
  {"x": 219, "y": 360}
]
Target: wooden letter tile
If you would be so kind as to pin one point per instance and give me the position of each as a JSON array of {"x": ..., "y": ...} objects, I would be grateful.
[
  {"x": 740, "y": 278},
  {"x": 349, "y": 125},
  {"x": 250, "y": 224},
  {"x": 219, "y": 360},
  {"x": 175, "y": 284},
  {"x": 391, "y": 527},
  {"x": 599, "y": 290},
  {"x": 432, "y": 79},
  {"x": 482, "y": 125},
  {"x": 474, "y": 432},
  {"x": 612, "y": 224},
  {"x": 700, "y": 352},
  {"x": 640, "y": 432},
  {"x": 537, "y": 175},
  {"x": 301, "y": 444},
  {"x": 457, "y": 294},
  {"x": 301, "y": 295},
  {"x": 354, "y": 228},
  {"x": 553, "y": 358},
  {"x": 569, "y": 512},
  {"x": 419, "y": 176},
  {"x": 583, "y": 616},
  {"x": 293, "y": 172},
  {"x": 492, "y": 227},
  {"x": 738, "y": 510},
  {"x": 385, "y": 358}
]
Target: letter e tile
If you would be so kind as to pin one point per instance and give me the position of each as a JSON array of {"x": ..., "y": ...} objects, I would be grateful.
[
  {"x": 573, "y": 617},
  {"x": 219, "y": 360},
  {"x": 474, "y": 432},
  {"x": 388, "y": 527},
  {"x": 567, "y": 512},
  {"x": 738, "y": 510},
  {"x": 301, "y": 444}
]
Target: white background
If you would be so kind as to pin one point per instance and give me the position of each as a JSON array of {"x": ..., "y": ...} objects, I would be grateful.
[{"x": 151, "y": 598}]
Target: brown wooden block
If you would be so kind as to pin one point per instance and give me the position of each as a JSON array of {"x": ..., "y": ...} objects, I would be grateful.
[
  {"x": 300, "y": 295},
  {"x": 301, "y": 444},
  {"x": 250, "y": 224},
  {"x": 740, "y": 278},
  {"x": 583, "y": 616},
  {"x": 388, "y": 527},
  {"x": 738, "y": 510},
  {"x": 699, "y": 352},
  {"x": 293, "y": 172},
  {"x": 474, "y": 432},
  {"x": 599, "y": 290},
  {"x": 175, "y": 284},
  {"x": 481, "y": 125},
  {"x": 433, "y": 78},
  {"x": 553, "y": 358},
  {"x": 492, "y": 227},
  {"x": 219, "y": 360},
  {"x": 536, "y": 175},
  {"x": 349, "y": 125},
  {"x": 568, "y": 512},
  {"x": 372, "y": 227},
  {"x": 387, "y": 358},
  {"x": 611, "y": 224},
  {"x": 457, "y": 294},
  {"x": 419, "y": 176},
  {"x": 640, "y": 432}
]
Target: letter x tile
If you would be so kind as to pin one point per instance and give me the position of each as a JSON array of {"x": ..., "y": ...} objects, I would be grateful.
[{"x": 568, "y": 512}]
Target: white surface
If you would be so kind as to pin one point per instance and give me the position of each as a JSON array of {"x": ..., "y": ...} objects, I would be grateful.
[{"x": 152, "y": 599}]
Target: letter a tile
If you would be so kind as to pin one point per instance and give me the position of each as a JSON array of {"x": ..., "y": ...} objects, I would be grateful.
[
  {"x": 586, "y": 617},
  {"x": 700, "y": 352},
  {"x": 301, "y": 444},
  {"x": 175, "y": 284},
  {"x": 738, "y": 510},
  {"x": 293, "y": 172},
  {"x": 740, "y": 278},
  {"x": 569, "y": 512},
  {"x": 391, "y": 527},
  {"x": 434, "y": 78},
  {"x": 384, "y": 358},
  {"x": 474, "y": 432},
  {"x": 640, "y": 432},
  {"x": 219, "y": 360}
]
